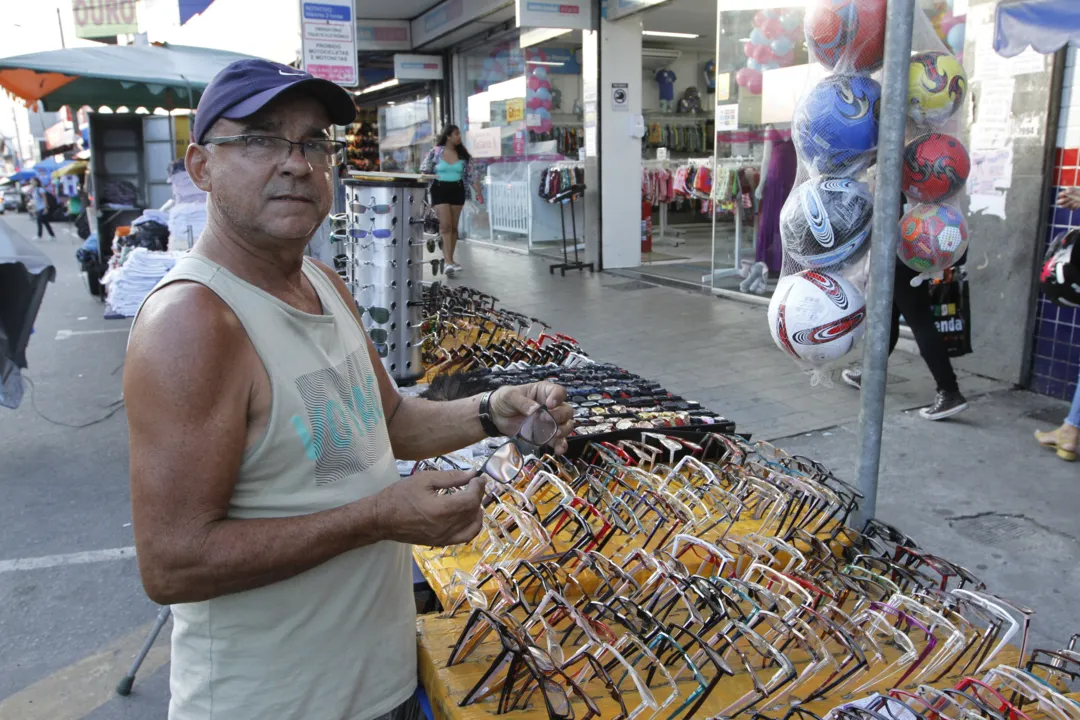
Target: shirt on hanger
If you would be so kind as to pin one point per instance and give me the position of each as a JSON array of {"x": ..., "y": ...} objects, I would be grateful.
[{"x": 666, "y": 80}]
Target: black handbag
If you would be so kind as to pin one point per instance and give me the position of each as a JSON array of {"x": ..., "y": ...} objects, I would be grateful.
[{"x": 950, "y": 300}]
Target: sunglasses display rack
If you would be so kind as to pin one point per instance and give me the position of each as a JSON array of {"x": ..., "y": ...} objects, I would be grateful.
[
  {"x": 694, "y": 574},
  {"x": 383, "y": 248}
]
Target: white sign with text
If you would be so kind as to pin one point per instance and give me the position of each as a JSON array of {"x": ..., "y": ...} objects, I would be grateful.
[{"x": 329, "y": 40}]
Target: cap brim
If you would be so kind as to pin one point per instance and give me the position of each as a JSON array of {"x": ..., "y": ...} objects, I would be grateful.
[{"x": 337, "y": 101}]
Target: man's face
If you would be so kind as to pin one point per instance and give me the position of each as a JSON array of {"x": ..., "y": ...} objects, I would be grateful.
[{"x": 286, "y": 200}]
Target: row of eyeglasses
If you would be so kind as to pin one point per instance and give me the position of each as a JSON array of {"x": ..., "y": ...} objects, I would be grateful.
[{"x": 640, "y": 582}]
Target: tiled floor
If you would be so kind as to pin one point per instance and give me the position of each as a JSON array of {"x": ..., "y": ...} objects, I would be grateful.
[{"x": 713, "y": 350}]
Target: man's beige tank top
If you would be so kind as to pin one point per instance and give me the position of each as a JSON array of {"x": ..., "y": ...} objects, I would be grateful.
[{"x": 337, "y": 642}]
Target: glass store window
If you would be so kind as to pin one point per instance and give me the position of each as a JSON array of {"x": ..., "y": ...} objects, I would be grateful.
[
  {"x": 719, "y": 90},
  {"x": 519, "y": 105}
]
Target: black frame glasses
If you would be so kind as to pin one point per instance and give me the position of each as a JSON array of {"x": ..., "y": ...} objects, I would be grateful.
[{"x": 273, "y": 150}]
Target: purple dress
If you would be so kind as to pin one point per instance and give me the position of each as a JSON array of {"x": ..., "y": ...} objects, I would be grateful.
[{"x": 781, "y": 176}]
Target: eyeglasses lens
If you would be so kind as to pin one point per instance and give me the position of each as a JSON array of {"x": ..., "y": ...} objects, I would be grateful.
[
  {"x": 378, "y": 335},
  {"x": 539, "y": 428},
  {"x": 379, "y": 314},
  {"x": 505, "y": 464}
]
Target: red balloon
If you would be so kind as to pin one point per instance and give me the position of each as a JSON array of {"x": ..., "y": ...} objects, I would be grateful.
[
  {"x": 760, "y": 18},
  {"x": 748, "y": 49},
  {"x": 742, "y": 78},
  {"x": 763, "y": 54},
  {"x": 772, "y": 28},
  {"x": 755, "y": 85},
  {"x": 786, "y": 59}
]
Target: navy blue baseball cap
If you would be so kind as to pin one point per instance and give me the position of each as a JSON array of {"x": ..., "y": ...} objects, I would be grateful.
[{"x": 244, "y": 87}]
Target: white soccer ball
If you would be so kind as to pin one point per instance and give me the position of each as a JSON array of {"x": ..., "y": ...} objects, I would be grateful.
[{"x": 816, "y": 317}]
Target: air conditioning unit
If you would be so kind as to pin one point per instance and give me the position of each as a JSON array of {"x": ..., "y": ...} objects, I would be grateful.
[{"x": 655, "y": 58}]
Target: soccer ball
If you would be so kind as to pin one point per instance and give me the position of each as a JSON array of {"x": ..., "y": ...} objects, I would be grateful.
[
  {"x": 826, "y": 221},
  {"x": 936, "y": 88},
  {"x": 847, "y": 35},
  {"x": 936, "y": 166},
  {"x": 932, "y": 237},
  {"x": 816, "y": 317},
  {"x": 835, "y": 127}
]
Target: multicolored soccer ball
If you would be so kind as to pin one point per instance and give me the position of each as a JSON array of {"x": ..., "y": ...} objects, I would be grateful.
[
  {"x": 835, "y": 127},
  {"x": 826, "y": 221},
  {"x": 847, "y": 35},
  {"x": 816, "y": 317},
  {"x": 937, "y": 86},
  {"x": 936, "y": 166},
  {"x": 932, "y": 237}
]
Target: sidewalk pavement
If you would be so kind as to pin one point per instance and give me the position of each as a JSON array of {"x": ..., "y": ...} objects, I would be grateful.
[{"x": 709, "y": 349}]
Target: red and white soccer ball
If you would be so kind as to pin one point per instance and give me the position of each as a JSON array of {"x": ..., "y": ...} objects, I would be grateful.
[{"x": 816, "y": 317}]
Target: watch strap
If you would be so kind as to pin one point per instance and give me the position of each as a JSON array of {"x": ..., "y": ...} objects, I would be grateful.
[{"x": 486, "y": 420}]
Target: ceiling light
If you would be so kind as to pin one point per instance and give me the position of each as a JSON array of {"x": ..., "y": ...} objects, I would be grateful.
[
  {"x": 746, "y": 39},
  {"x": 544, "y": 62},
  {"x": 659, "y": 33},
  {"x": 391, "y": 102},
  {"x": 379, "y": 86}
]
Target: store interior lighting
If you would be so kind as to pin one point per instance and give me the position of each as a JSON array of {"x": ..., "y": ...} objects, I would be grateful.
[
  {"x": 379, "y": 86},
  {"x": 544, "y": 62},
  {"x": 539, "y": 35},
  {"x": 661, "y": 33}
]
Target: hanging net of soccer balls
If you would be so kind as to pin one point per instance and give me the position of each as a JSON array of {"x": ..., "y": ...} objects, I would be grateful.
[{"x": 818, "y": 310}]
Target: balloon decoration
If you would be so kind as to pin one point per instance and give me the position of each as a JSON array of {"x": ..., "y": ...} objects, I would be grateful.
[
  {"x": 538, "y": 100},
  {"x": 771, "y": 45}
]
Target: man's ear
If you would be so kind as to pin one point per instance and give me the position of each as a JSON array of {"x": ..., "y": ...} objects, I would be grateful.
[{"x": 197, "y": 160}]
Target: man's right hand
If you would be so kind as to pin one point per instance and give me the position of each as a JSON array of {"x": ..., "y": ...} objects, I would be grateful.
[{"x": 413, "y": 511}]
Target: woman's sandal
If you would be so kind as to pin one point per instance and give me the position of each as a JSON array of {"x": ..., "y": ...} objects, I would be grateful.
[{"x": 1065, "y": 451}]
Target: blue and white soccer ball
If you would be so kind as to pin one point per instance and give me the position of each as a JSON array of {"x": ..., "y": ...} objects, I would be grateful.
[
  {"x": 835, "y": 127},
  {"x": 826, "y": 221}
]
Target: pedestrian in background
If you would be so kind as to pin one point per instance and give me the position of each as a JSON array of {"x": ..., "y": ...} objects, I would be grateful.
[
  {"x": 41, "y": 207},
  {"x": 451, "y": 164},
  {"x": 913, "y": 303},
  {"x": 1066, "y": 437}
]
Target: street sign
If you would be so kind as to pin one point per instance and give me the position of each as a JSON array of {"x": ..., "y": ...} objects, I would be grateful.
[
  {"x": 329, "y": 40},
  {"x": 104, "y": 18}
]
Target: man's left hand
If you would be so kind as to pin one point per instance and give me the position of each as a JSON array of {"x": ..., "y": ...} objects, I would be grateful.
[{"x": 511, "y": 405}]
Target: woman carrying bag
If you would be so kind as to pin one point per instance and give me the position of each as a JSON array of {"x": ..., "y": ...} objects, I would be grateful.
[{"x": 454, "y": 183}]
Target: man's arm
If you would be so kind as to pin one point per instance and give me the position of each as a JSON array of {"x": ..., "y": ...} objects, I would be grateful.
[
  {"x": 188, "y": 382},
  {"x": 421, "y": 429}
]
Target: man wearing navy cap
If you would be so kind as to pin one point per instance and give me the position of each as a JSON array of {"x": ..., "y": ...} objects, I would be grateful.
[{"x": 264, "y": 431}]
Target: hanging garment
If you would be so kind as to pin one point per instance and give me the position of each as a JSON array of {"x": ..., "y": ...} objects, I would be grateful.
[{"x": 780, "y": 177}]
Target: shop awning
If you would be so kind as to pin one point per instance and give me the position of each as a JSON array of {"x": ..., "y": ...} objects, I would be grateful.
[
  {"x": 76, "y": 168},
  {"x": 21, "y": 176},
  {"x": 1045, "y": 25},
  {"x": 150, "y": 76}
]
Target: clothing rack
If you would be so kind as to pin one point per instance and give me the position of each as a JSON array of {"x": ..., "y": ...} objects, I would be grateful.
[
  {"x": 729, "y": 162},
  {"x": 713, "y": 164}
]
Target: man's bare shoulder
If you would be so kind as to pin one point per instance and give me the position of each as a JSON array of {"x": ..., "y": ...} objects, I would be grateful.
[{"x": 187, "y": 332}]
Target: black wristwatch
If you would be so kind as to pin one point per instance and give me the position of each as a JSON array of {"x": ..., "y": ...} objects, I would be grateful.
[{"x": 486, "y": 421}]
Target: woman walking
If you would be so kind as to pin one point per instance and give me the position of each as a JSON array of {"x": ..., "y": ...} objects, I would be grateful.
[
  {"x": 454, "y": 183},
  {"x": 41, "y": 207}
]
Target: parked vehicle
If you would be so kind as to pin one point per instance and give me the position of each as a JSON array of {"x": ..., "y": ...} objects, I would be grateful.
[{"x": 14, "y": 200}]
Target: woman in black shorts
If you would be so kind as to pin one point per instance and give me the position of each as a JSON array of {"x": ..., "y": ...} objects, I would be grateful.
[{"x": 451, "y": 164}]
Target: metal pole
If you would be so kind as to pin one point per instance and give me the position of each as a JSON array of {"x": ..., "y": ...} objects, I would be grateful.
[
  {"x": 60, "y": 24},
  {"x": 900, "y": 17}
]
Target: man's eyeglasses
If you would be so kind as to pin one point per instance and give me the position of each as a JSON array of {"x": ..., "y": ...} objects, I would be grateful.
[{"x": 267, "y": 149}]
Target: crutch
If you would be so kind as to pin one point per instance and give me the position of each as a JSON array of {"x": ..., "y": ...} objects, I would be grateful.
[{"x": 124, "y": 686}]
